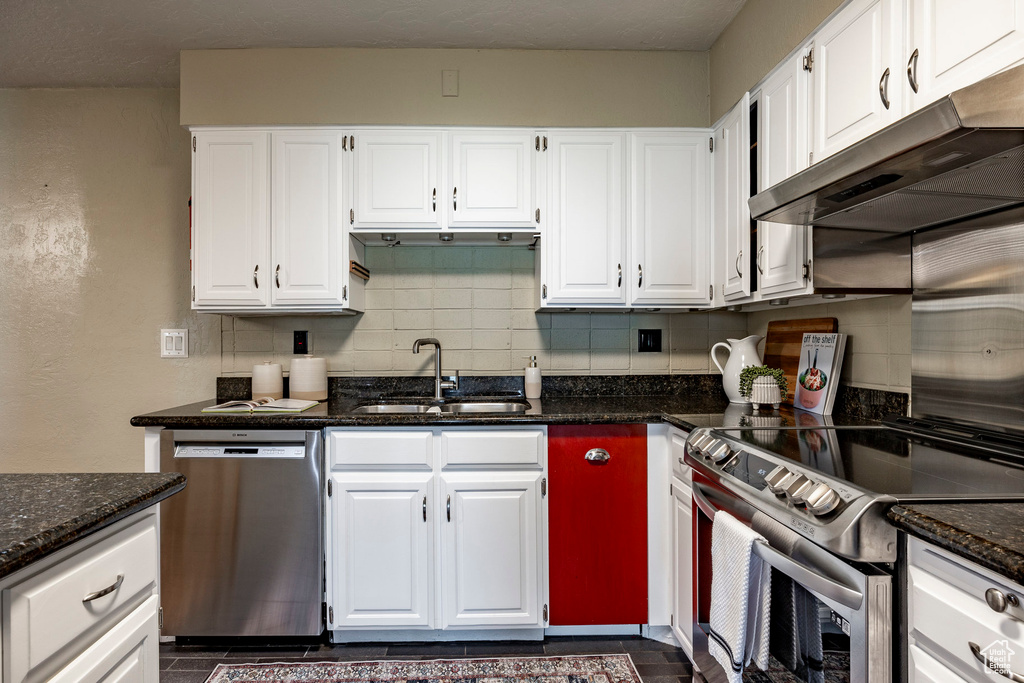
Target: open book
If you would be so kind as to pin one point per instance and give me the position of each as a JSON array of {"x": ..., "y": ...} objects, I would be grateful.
[{"x": 262, "y": 405}]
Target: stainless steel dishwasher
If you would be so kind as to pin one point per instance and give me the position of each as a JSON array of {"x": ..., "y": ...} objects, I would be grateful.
[{"x": 241, "y": 549}]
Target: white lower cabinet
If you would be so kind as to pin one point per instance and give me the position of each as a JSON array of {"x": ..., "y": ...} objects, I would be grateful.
[
  {"x": 953, "y": 633},
  {"x": 682, "y": 545},
  {"x": 87, "y": 612},
  {"x": 431, "y": 528}
]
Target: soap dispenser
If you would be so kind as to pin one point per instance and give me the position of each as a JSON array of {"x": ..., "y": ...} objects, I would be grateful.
[{"x": 532, "y": 378}]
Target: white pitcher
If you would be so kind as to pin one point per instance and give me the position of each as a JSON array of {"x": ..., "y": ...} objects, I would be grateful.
[{"x": 742, "y": 353}]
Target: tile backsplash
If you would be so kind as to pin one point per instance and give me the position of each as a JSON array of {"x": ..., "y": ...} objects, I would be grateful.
[{"x": 480, "y": 302}]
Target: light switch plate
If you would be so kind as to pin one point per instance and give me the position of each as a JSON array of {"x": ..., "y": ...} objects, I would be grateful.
[
  {"x": 174, "y": 343},
  {"x": 449, "y": 83}
]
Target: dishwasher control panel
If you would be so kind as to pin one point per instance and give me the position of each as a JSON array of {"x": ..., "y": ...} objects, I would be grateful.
[{"x": 239, "y": 450}]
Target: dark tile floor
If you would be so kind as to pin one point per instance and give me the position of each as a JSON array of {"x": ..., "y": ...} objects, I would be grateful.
[{"x": 655, "y": 662}]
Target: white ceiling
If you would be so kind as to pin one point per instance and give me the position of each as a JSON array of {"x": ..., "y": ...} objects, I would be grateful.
[{"x": 67, "y": 43}]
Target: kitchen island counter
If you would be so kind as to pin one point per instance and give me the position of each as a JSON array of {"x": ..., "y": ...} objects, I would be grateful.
[
  {"x": 42, "y": 513},
  {"x": 989, "y": 534}
]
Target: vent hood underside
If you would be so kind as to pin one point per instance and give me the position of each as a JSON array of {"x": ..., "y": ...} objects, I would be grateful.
[{"x": 960, "y": 157}]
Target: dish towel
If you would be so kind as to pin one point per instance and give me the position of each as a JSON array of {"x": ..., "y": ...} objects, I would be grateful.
[{"x": 740, "y": 598}]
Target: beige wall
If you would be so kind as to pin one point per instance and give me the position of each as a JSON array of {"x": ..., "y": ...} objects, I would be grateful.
[
  {"x": 94, "y": 221},
  {"x": 757, "y": 39},
  {"x": 480, "y": 303},
  {"x": 496, "y": 87}
]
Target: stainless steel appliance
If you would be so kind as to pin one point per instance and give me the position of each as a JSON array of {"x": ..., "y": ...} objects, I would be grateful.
[
  {"x": 241, "y": 547},
  {"x": 820, "y": 495}
]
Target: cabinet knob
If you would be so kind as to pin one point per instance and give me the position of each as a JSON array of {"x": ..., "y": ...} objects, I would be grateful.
[
  {"x": 598, "y": 455},
  {"x": 999, "y": 601}
]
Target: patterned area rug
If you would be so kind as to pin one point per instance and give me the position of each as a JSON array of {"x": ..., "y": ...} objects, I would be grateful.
[{"x": 575, "y": 669}]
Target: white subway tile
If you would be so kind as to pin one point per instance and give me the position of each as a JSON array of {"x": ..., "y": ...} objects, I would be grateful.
[
  {"x": 492, "y": 319},
  {"x": 413, "y": 280},
  {"x": 492, "y": 298},
  {"x": 453, "y": 279},
  {"x": 492, "y": 339},
  {"x": 453, "y": 257},
  {"x": 562, "y": 339},
  {"x": 531, "y": 340},
  {"x": 422, "y": 320},
  {"x": 453, "y": 298},
  {"x": 371, "y": 362},
  {"x": 373, "y": 340},
  {"x": 496, "y": 279},
  {"x": 495, "y": 361},
  {"x": 454, "y": 319},
  {"x": 572, "y": 321},
  {"x": 610, "y": 339},
  {"x": 525, "y": 298},
  {"x": 413, "y": 298}
]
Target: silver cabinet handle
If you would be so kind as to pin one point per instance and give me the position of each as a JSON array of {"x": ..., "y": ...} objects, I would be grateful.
[
  {"x": 434, "y": 196},
  {"x": 1006, "y": 673},
  {"x": 737, "y": 264},
  {"x": 424, "y": 508},
  {"x": 620, "y": 276},
  {"x": 883, "y": 88},
  {"x": 760, "y": 251},
  {"x": 449, "y": 506},
  {"x": 912, "y": 70},
  {"x": 455, "y": 204},
  {"x": 106, "y": 591},
  {"x": 597, "y": 455},
  {"x": 277, "y": 276},
  {"x": 681, "y": 461},
  {"x": 256, "y": 276},
  {"x": 640, "y": 275}
]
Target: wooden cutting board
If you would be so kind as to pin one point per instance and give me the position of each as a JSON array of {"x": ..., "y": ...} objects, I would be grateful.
[{"x": 782, "y": 345}]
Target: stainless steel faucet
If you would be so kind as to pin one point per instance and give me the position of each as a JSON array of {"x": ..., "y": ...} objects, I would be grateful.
[{"x": 439, "y": 384}]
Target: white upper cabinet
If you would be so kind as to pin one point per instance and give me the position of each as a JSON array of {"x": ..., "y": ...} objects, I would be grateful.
[
  {"x": 491, "y": 180},
  {"x": 669, "y": 227},
  {"x": 782, "y": 152},
  {"x": 731, "y": 159},
  {"x": 231, "y": 231},
  {"x": 585, "y": 233},
  {"x": 308, "y": 234},
  {"x": 955, "y": 43},
  {"x": 397, "y": 176},
  {"x": 858, "y": 74}
]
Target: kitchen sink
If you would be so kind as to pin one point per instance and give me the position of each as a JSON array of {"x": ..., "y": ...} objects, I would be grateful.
[{"x": 454, "y": 407}]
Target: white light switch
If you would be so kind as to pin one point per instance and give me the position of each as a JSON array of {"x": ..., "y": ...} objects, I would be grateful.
[{"x": 174, "y": 343}]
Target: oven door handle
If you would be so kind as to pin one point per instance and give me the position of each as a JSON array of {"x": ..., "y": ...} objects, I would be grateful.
[{"x": 811, "y": 580}]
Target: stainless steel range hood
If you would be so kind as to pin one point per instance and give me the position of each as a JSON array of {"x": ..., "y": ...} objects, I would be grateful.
[{"x": 959, "y": 157}]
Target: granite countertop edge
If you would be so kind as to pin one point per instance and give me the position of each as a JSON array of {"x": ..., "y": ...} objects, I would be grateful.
[
  {"x": 983, "y": 551},
  {"x": 22, "y": 553}
]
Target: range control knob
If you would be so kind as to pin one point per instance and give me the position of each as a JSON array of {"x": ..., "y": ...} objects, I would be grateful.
[
  {"x": 798, "y": 488},
  {"x": 821, "y": 499},
  {"x": 701, "y": 441},
  {"x": 718, "y": 451},
  {"x": 777, "y": 478}
]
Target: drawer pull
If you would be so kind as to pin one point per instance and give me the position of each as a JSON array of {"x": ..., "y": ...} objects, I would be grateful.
[
  {"x": 994, "y": 668},
  {"x": 106, "y": 591},
  {"x": 597, "y": 455}
]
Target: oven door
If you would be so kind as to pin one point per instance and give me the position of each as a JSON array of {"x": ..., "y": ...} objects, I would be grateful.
[{"x": 830, "y": 620}]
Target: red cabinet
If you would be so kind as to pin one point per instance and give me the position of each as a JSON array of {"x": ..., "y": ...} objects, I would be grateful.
[{"x": 597, "y": 524}]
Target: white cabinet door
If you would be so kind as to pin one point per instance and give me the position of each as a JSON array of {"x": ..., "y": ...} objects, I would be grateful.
[
  {"x": 585, "y": 238},
  {"x": 858, "y": 74},
  {"x": 670, "y": 228},
  {"x": 128, "y": 653},
  {"x": 381, "y": 549},
  {"x": 682, "y": 565},
  {"x": 308, "y": 234},
  {"x": 491, "y": 180},
  {"x": 231, "y": 228},
  {"x": 492, "y": 549},
  {"x": 731, "y": 159},
  {"x": 396, "y": 180},
  {"x": 955, "y": 43},
  {"x": 782, "y": 151}
]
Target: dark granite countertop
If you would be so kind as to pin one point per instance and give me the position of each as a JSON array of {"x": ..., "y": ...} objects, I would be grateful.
[
  {"x": 42, "y": 513},
  {"x": 988, "y": 533},
  {"x": 680, "y": 411}
]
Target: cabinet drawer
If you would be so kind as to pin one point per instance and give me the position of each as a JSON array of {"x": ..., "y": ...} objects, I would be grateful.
[
  {"x": 48, "y": 611},
  {"x": 492, "y": 447},
  {"x": 948, "y": 612},
  {"x": 363, "y": 449}
]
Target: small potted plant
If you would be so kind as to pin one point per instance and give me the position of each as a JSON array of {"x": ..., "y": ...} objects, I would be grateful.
[{"x": 761, "y": 384}]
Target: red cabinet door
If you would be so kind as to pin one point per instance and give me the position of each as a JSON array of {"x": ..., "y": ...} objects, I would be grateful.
[{"x": 597, "y": 525}]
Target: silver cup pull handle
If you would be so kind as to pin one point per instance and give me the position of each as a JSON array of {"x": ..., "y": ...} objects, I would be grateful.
[
  {"x": 597, "y": 455},
  {"x": 106, "y": 591}
]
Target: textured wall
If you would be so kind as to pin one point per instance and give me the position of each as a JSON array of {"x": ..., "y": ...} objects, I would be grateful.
[
  {"x": 94, "y": 187},
  {"x": 480, "y": 303},
  {"x": 757, "y": 39},
  {"x": 496, "y": 87}
]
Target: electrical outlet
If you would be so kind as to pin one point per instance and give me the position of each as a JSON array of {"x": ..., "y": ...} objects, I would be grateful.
[
  {"x": 300, "y": 343},
  {"x": 174, "y": 343},
  {"x": 648, "y": 341}
]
